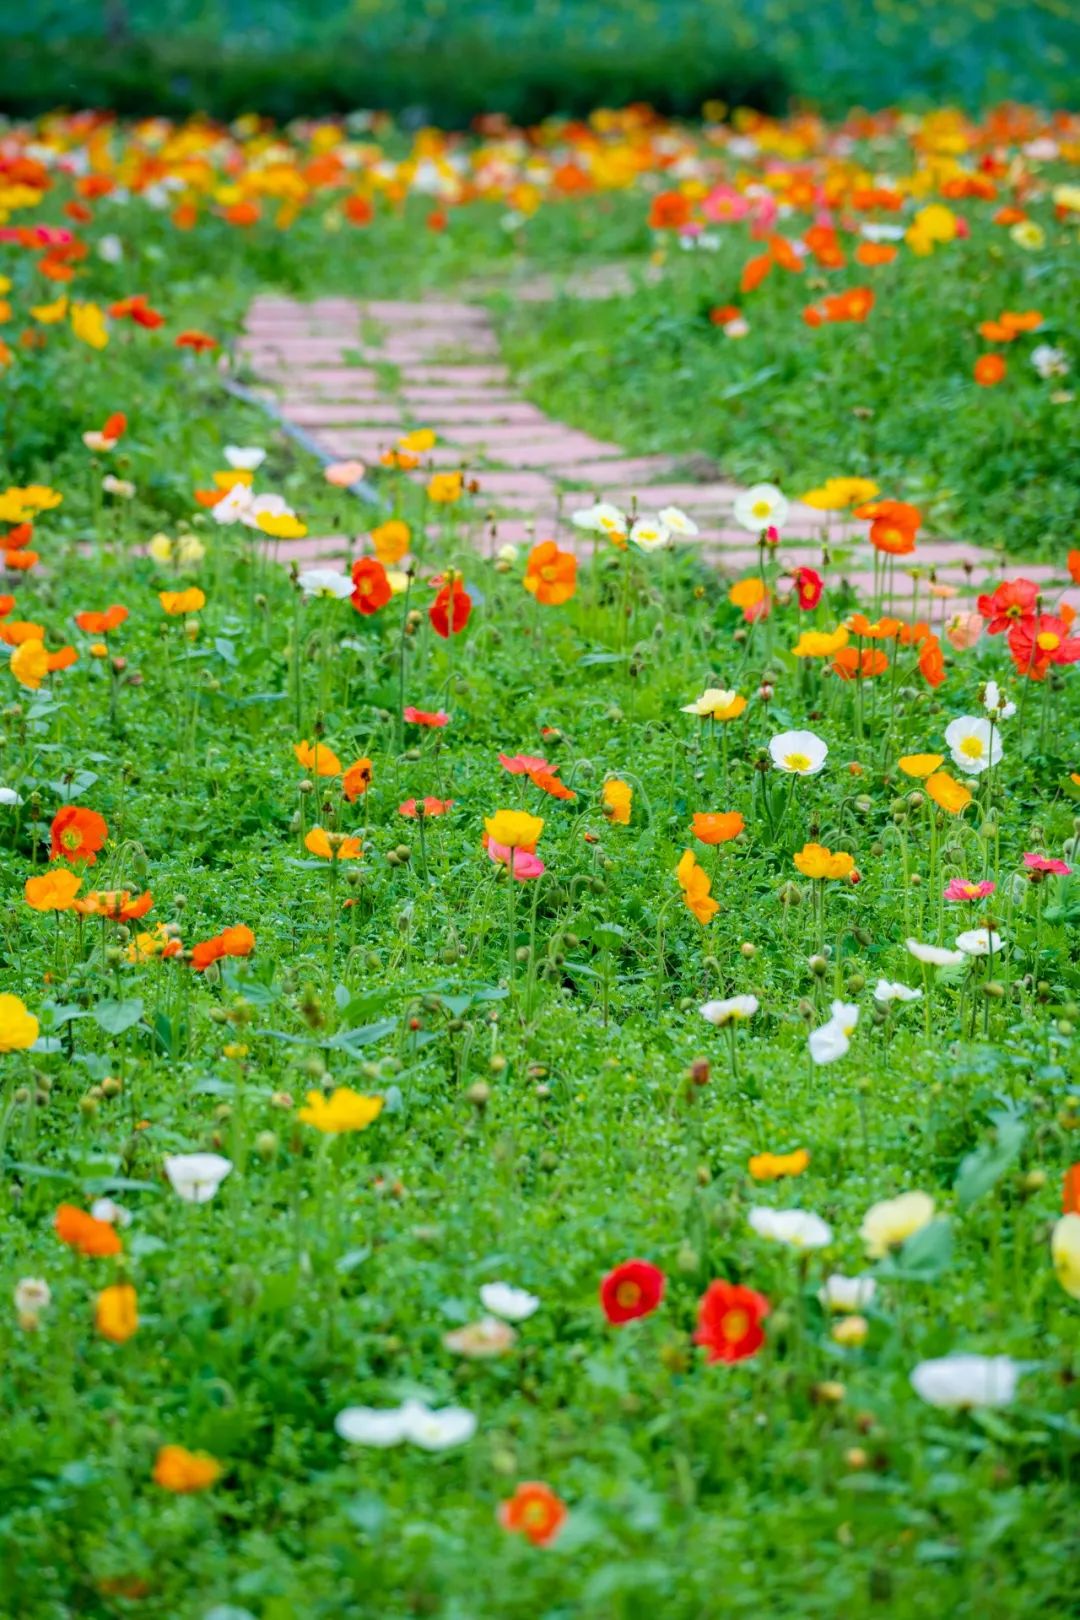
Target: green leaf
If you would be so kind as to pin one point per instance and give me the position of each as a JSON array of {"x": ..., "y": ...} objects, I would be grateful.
[
  {"x": 114, "y": 1017},
  {"x": 983, "y": 1168}
]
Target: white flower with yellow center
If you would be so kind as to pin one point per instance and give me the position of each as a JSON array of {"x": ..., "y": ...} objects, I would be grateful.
[
  {"x": 975, "y": 743},
  {"x": 729, "y": 1011},
  {"x": 799, "y": 753},
  {"x": 886, "y": 1225},
  {"x": 649, "y": 534},
  {"x": 676, "y": 520},
  {"x": 762, "y": 506},
  {"x": 602, "y": 518}
]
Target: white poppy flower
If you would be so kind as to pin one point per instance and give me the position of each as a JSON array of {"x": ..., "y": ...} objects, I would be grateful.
[
  {"x": 762, "y": 506},
  {"x": 675, "y": 519},
  {"x": 975, "y": 743},
  {"x": 842, "y": 1293},
  {"x": 110, "y": 249},
  {"x": 833, "y": 1039},
  {"x": 196, "y": 1177},
  {"x": 730, "y": 1010},
  {"x": 996, "y": 706},
  {"x": 259, "y": 506},
  {"x": 512, "y": 1304},
  {"x": 967, "y": 1381},
  {"x": 371, "y": 1426},
  {"x": 602, "y": 518},
  {"x": 934, "y": 955},
  {"x": 799, "y": 753},
  {"x": 103, "y": 1209},
  {"x": 244, "y": 458},
  {"x": 437, "y": 1430},
  {"x": 649, "y": 534},
  {"x": 326, "y": 582},
  {"x": 32, "y": 1296},
  {"x": 798, "y": 1228},
  {"x": 886, "y": 991},
  {"x": 979, "y": 942},
  {"x": 9, "y": 796},
  {"x": 233, "y": 506},
  {"x": 122, "y": 488},
  {"x": 1048, "y": 361}
]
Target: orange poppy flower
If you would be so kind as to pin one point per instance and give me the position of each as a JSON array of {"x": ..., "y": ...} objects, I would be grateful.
[
  {"x": 754, "y": 272},
  {"x": 333, "y": 847},
  {"x": 951, "y": 795},
  {"x": 549, "y": 783},
  {"x": 237, "y": 941},
  {"x": 883, "y": 629},
  {"x": 77, "y": 834},
  {"x": 717, "y": 826},
  {"x": 116, "y": 1313},
  {"x": 551, "y": 574},
  {"x": 19, "y": 631},
  {"x": 875, "y": 253},
  {"x": 99, "y": 624},
  {"x": 116, "y": 904},
  {"x": 178, "y": 602},
  {"x": 893, "y": 525},
  {"x": 82, "y": 1232},
  {"x": 21, "y": 561},
  {"x": 989, "y": 370},
  {"x": 181, "y": 1471},
  {"x": 317, "y": 758},
  {"x": 852, "y": 665},
  {"x": 357, "y": 780},
  {"x": 695, "y": 885},
  {"x": 52, "y": 891},
  {"x": 535, "y": 1512},
  {"x": 669, "y": 211},
  {"x": 932, "y": 662}
]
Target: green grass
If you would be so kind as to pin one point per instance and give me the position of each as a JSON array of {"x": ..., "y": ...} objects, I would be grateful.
[{"x": 527, "y": 1135}]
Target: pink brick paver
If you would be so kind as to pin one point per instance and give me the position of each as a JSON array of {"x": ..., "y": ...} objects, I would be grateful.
[{"x": 355, "y": 375}]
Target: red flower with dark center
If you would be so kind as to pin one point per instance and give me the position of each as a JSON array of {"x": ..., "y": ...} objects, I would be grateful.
[
  {"x": 77, "y": 834},
  {"x": 633, "y": 1289},
  {"x": 729, "y": 1321}
]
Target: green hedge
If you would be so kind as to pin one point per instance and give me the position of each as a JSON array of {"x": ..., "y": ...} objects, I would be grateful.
[{"x": 448, "y": 84}]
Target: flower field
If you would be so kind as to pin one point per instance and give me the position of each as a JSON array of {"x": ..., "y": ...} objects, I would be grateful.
[{"x": 539, "y": 811}]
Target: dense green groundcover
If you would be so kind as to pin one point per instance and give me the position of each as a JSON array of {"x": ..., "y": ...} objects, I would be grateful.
[{"x": 537, "y": 1133}]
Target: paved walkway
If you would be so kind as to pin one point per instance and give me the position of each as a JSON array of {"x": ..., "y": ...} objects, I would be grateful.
[{"x": 353, "y": 376}]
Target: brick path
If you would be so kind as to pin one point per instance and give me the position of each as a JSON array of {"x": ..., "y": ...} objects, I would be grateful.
[{"x": 352, "y": 377}]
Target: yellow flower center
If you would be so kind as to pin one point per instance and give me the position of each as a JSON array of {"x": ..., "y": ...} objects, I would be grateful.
[
  {"x": 1048, "y": 641},
  {"x": 733, "y": 1324},
  {"x": 761, "y": 509},
  {"x": 972, "y": 747},
  {"x": 797, "y": 762}
]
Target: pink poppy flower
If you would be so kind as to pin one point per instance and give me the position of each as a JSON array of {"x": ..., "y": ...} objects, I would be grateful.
[
  {"x": 522, "y": 764},
  {"x": 430, "y": 807},
  {"x": 525, "y": 865},
  {"x": 963, "y": 630},
  {"x": 961, "y": 889},
  {"x": 344, "y": 473},
  {"x": 1044, "y": 863}
]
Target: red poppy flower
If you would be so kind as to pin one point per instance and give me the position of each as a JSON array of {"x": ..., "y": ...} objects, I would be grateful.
[
  {"x": 20, "y": 535},
  {"x": 449, "y": 613},
  {"x": 77, "y": 834},
  {"x": 1013, "y": 601},
  {"x": 809, "y": 586},
  {"x": 535, "y": 1512},
  {"x": 522, "y": 764},
  {"x": 425, "y": 717},
  {"x": 633, "y": 1289},
  {"x": 371, "y": 587},
  {"x": 1037, "y": 643},
  {"x": 199, "y": 341},
  {"x": 729, "y": 1321}
]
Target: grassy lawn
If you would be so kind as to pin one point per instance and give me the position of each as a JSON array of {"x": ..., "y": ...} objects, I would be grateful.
[{"x": 545, "y": 1100}]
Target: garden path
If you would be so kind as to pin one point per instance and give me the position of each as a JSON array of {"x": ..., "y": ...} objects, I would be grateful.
[{"x": 347, "y": 377}]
